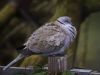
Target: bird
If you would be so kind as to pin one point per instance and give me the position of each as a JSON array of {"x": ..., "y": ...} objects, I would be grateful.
[{"x": 50, "y": 39}]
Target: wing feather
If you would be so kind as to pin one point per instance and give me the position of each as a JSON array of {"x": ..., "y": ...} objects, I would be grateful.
[{"x": 47, "y": 38}]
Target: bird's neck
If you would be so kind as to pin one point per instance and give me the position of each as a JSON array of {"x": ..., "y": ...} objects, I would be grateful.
[
  {"x": 65, "y": 28},
  {"x": 57, "y": 23}
]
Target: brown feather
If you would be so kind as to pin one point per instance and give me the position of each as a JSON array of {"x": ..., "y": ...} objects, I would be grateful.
[{"x": 47, "y": 38}]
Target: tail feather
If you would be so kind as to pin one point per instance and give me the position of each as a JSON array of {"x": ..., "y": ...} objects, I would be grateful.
[
  {"x": 19, "y": 57},
  {"x": 21, "y": 47}
]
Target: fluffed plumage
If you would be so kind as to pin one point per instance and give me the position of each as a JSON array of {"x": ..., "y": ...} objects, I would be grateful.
[{"x": 49, "y": 40}]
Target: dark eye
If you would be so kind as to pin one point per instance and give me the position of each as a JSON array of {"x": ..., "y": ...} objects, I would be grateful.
[{"x": 67, "y": 21}]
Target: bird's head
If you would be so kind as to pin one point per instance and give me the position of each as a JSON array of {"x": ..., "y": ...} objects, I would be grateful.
[
  {"x": 65, "y": 20},
  {"x": 66, "y": 24}
]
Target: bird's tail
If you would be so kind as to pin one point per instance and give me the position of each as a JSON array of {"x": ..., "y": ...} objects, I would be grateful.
[{"x": 19, "y": 57}]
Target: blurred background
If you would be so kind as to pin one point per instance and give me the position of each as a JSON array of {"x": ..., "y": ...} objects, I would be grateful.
[{"x": 19, "y": 18}]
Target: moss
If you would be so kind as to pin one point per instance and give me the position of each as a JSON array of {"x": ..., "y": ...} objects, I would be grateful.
[
  {"x": 6, "y": 12},
  {"x": 91, "y": 4},
  {"x": 89, "y": 44},
  {"x": 34, "y": 60}
]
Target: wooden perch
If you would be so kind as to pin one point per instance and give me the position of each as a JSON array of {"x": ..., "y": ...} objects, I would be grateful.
[{"x": 57, "y": 64}]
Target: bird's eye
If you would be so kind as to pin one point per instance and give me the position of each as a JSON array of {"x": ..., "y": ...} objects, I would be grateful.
[{"x": 67, "y": 21}]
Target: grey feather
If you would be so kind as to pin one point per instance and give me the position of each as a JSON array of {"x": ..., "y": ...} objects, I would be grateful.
[{"x": 50, "y": 39}]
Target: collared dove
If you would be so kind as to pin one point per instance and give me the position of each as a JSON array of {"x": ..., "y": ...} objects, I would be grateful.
[{"x": 51, "y": 39}]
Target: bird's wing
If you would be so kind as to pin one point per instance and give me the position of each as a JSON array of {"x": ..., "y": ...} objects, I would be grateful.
[{"x": 47, "y": 38}]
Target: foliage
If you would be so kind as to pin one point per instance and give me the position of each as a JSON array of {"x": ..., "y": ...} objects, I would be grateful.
[
  {"x": 67, "y": 73},
  {"x": 45, "y": 73}
]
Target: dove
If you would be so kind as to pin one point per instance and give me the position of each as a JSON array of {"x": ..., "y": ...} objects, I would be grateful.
[{"x": 50, "y": 39}]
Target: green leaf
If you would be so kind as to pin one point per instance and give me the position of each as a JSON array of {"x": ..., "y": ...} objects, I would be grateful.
[
  {"x": 67, "y": 73},
  {"x": 40, "y": 73}
]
